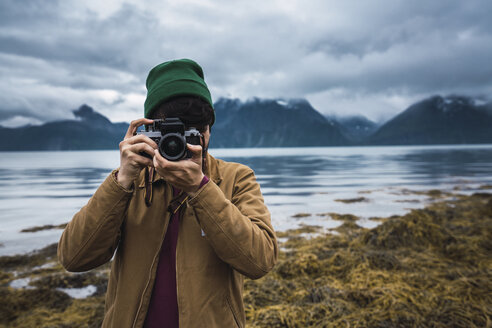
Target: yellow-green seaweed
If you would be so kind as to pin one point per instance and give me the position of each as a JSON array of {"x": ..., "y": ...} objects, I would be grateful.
[
  {"x": 429, "y": 268},
  {"x": 301, "y": 215},
  {"x": 352, "y": 200}
]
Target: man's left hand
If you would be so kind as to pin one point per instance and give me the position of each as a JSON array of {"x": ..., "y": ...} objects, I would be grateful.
[{"x": 185, "y": 174}]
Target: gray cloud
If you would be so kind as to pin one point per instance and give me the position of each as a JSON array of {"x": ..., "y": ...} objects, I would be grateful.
[{"x": 374, "y": 57}]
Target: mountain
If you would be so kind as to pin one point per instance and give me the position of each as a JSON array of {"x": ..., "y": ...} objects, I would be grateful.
[
  {"x": 90, "y": 130},
  {"x": 279, "y": 123},
  {"x": 254, "y": 123},
  {"x": 355, "y": 128},
  {"x": 438, "y": 120},
  {"x": 272, "y": 123}
]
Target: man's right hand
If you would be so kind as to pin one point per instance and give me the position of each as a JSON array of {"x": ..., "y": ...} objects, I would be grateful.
[{"x": 131, "y": 162}]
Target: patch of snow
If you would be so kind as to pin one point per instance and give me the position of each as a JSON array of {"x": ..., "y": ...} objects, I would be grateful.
[
  {"x": 45, "y": 266},
  {"x": 282, "y": 102},
  {"x": 21, "y": 283},
  {"x": 79, "y": 292},
  {"x": 479, "y": 102},
  {"x": 448, "y": 101}
]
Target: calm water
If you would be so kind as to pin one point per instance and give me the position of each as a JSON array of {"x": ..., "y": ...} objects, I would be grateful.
[{"x": 39, "y": 188}]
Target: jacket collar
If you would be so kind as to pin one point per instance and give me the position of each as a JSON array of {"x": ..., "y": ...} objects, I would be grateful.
[{"x": 212, "y": 172}]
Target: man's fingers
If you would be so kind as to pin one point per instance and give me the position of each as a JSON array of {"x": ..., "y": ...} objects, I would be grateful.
[
  {"x": 161, "y": 162},
  {"x": 196, "y": 150},
  {"x": 134, "y": 125},
  {"x": 142, "y": 148},
  {"x": 158, "y": 160},
  {"x": 142, "y": 161},
  {"x": 137, "y": 159},
  {"x": 139, "y": 139},
  {"x": 184, "y": 174},
  {"x": 135, "y": 154}
]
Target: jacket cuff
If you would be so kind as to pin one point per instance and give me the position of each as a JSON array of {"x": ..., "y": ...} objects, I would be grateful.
[
  {"x": 203, "y": 185},
  {"x": 116, "y": 185},
  {"x": 204, "y": 181}
]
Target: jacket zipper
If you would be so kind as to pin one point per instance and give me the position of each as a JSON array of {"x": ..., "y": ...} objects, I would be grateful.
[{"x": 150, "y": 275}]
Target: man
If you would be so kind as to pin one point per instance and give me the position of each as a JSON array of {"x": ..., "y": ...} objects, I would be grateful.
[{"x": 183, "y": 233}]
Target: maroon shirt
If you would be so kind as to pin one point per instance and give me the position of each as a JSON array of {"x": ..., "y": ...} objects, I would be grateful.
[{"x": 163, "y": 307}]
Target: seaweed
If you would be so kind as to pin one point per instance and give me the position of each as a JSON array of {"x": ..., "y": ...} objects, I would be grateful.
[
  {"x": 17, "y": 303},
  {"x": 341, "y": 217},
  {"x": 5, "y": 277},
  {"x": 352, "y": 200},
  {"x": 31, "y": 259},
  {"x": 303, "y": 229},
  {"x": 485, "y": 187},
  {"x": 428, "y": 268},
  {"x": 74, "y": 280},
  {"x": 75, "y": 314},
  {"x": 45, "y": 227},
  {"x": 301, "y": 215}
]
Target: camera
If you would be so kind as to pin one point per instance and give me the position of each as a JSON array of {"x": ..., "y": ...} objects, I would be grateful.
[{"x": 171, "y": 136}]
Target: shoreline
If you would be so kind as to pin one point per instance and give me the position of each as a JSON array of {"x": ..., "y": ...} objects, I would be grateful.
[
  {"x": 359, "y": 204},
  {"x": 431, "y": 266}
]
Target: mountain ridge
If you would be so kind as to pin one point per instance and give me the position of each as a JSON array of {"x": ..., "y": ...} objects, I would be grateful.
[
  {"x": 272, "y": 123},
  {"x": 88, "y": 131},
  {"x": 437, "y": 120},
  {"x": 279, "y": 123}
]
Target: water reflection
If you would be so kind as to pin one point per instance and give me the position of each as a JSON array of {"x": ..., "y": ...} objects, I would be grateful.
[
  {"x": 39, "y": 182},
  {"x": 439, "y": 163},
  {"x": 49, "y": 187},
  {"x": 369, "y": 168}
]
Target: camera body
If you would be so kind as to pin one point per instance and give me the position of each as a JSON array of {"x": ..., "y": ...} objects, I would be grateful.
[{"x": 171, "y": 137}]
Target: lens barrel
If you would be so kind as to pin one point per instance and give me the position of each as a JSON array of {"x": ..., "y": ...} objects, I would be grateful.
[{"x": 172, "y": 146}]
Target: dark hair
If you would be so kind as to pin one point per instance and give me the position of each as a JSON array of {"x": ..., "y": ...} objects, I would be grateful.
[{"x": 191, "y": 110}]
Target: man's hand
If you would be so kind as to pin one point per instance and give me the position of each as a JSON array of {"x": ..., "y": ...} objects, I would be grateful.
[
  {"x": 131, "y": 162},
  {"x": 185, "y": 174}
]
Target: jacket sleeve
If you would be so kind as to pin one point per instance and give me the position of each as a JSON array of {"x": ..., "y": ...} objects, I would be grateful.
[
  {"x": 239, "y": 230},
  {"x": 90, "y": 239}
]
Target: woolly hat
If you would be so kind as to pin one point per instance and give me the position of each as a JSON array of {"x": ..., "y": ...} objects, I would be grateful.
[{"x": 182, "y": 77}]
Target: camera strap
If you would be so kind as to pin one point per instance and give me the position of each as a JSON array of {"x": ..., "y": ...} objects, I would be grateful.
[
  {"x": 204, "y": 154},
  {"x": 177, "y": 202},
  {"x": 149, "y": 176}
]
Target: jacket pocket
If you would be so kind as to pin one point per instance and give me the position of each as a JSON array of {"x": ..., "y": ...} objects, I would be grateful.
[{"x": 234, "y": 314}]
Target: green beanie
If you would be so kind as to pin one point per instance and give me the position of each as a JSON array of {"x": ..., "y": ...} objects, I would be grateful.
[{"x": 182, "y": 77}]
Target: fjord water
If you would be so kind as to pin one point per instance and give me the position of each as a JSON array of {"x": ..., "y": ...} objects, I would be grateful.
[{"x": 41, "y": 188}]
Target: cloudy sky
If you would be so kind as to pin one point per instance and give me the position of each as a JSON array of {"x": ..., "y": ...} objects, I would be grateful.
[{"x": 371, "y": 57}]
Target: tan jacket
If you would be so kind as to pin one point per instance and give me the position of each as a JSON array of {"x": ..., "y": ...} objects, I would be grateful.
[{"x": 238, "y": 240}]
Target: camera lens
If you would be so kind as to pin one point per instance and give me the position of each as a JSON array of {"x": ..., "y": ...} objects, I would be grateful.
[{"x": 172, "y": 147}]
